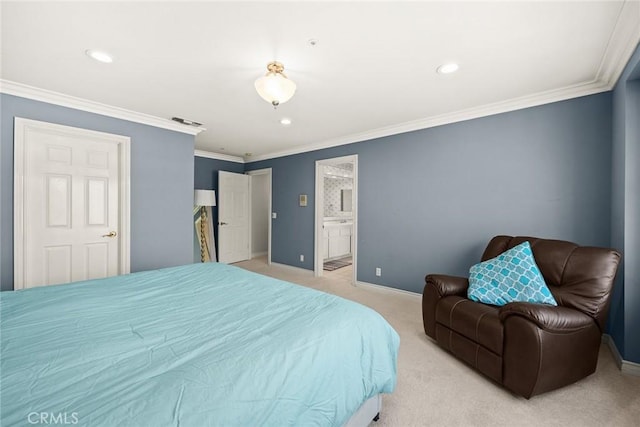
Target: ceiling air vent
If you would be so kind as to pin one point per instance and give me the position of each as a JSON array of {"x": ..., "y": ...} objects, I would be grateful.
[{"x": 186, "y": 122}]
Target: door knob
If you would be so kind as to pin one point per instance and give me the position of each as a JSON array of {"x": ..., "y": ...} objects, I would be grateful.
[
  {"x": 223, "y": 223},
  {"x": 111, "y": 234}
]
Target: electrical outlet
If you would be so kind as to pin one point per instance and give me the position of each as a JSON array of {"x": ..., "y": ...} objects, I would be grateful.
[
  {"x": 301, "y": 258},
  {"x": 378, "y": 271},
  {"x": 274, "y": 215}
]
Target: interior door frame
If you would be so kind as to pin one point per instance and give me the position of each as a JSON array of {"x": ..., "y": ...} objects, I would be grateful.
[
  {"x": 21, "y": 128},
  {"x": 319, "y": 213},
  {"x": 268, "y": 173}
]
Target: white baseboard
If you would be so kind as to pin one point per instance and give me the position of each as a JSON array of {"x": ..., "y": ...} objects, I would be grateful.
[
  {"x": 387, "y": 289},
  {"x": 625, "y": 366},
  {"x": 298, "y": 270}
]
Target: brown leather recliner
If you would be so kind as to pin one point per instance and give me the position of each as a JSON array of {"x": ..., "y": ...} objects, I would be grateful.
[{"x": 528, "y": 348}]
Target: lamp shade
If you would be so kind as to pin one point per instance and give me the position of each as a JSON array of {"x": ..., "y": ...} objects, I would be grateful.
[
  {"x": 204, "y": 198},
  {"x": 275, "y": 87}
]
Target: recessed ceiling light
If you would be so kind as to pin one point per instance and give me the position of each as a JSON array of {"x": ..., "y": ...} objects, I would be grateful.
[
  {"x": 285, "y": 121},
  {"x": 449, "y": 68},
  {"x": 99, "y": 55}
]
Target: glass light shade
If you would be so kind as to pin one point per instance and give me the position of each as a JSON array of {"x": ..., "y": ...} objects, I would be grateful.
[
  {"x": 204, "y": 198},
  {"x": 275, "y": 88}
]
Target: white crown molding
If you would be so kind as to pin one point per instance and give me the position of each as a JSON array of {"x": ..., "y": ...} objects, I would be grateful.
[
  {"x": 218, "y": 156},
  {"x": 18, "y": 89},
  {"x": 622, "y": 43},
  {"x": 624, "y": 39},
  {"x": 541, "y": 98}
]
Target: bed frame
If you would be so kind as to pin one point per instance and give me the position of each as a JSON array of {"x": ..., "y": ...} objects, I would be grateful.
[{"x": 369, "y": 411}]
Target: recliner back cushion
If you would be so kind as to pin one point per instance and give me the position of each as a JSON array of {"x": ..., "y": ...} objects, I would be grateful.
[{"x": 579, "y": 277}]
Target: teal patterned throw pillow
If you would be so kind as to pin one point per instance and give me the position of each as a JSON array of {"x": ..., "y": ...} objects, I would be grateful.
[{"x": 511, "y": 276}]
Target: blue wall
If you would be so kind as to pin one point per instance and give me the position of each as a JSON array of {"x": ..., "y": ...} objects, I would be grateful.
[
  {"x": 161, "y": 184},
  {"x": 430, "y": 200},
  {"x": 206, "y": 178},
  {"x": 625, "y": 219},
  {"x": 206, "y": 172}
]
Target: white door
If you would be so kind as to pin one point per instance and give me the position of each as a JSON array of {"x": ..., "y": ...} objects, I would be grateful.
[
  {"x": 70, "y": 191},
  {"x": 233, "y": 217}
]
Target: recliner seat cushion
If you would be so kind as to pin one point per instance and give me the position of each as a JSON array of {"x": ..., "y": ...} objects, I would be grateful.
[{"x": 478, "y": 322}]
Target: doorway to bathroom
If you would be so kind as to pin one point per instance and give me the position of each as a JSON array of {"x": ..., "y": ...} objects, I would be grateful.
[
  {"x": 260, "y": 215},
  {"x": 336, "y": 196}
]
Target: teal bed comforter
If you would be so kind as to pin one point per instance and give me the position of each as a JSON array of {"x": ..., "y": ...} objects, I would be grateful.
[{"x": 197, "y": 345}]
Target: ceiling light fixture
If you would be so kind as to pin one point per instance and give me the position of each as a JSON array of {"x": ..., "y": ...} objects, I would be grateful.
[
  {"x": 99, "y": 55},
  {"x": 449, "y": 68},
  {"x": 285, "y": 121},
  {"x": 275, "y": 87}
]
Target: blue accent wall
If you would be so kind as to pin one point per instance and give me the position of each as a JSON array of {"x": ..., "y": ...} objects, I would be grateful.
[
  {"x": 206, "y": 172},
  {"x": 161, "y": 183},
  {"x": 292, "y": 231},
  {"x": 430, "y": 200},
  {"x": 625, "y": 219},
  {"x": 206, "y": 178}
]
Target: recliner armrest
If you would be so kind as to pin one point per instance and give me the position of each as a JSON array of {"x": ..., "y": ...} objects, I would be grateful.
[
  {"x": 448, "y": 285},
  {"x": 548, "y": 317},
  {"x": 438, "y": 286}
]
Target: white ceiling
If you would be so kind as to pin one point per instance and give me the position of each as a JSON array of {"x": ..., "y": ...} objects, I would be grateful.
[{"x": 371, "y": 73}]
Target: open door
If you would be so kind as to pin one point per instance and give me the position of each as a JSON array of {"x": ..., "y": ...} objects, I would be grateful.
[{"x": 233, "y": 217}]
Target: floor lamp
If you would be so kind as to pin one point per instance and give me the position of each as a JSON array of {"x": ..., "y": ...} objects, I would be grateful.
[{"x": 205, "y": 199}]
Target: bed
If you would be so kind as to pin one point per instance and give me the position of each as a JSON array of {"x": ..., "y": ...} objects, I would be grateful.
[{"x": 197, "y": 345}]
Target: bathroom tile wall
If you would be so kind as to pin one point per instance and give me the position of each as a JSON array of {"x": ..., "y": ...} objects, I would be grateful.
[{"x": 332, "y": 187}]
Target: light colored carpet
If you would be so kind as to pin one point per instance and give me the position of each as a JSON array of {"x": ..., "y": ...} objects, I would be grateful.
[{"x": 435, "y": 389}]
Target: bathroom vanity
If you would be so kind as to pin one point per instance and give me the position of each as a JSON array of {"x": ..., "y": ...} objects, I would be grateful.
[{"x": 337, "y": 234}]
